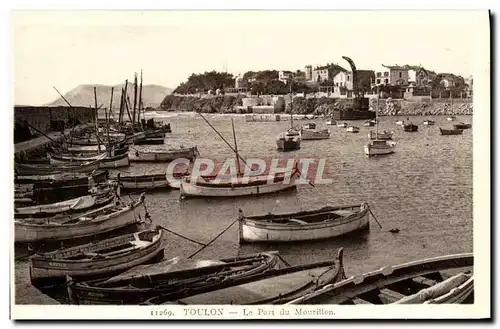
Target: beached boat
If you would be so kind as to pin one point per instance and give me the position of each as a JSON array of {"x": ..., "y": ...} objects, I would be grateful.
[
  {"x": 146, "y": 181},
  {"x": 105, "y": 219},
  {"x": 47, "y": 168},
  {"x": 420, "y": 282},
  {"x": 352, "y": 129},
  {"x": 384, "y": 135},
  {"x": 462, "y": 126},
  {"x": 310, "y": 125},
  {"x": 277, "y": 286},
  {"x": 288, "y": 141},
  {"x": 165, "y": 155},
  {"x": 169, "y": 276},
  {"x": 342, "y": 124},
  {"x": 429, "y": 123},
  {"x": 327, "y": 222},
  {"x": 451, "y": 131},
  {"x": 410, "y": 127},
  {"x": 105, "y": 257},
  {"x": 78, "y": 205},
  {"x": 307, "y": 134}
]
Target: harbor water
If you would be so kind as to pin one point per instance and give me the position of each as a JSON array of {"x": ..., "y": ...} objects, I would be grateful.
[{"x": 424, "y": 190}]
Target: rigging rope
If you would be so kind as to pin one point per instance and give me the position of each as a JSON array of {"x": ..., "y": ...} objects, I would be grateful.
[{"x": 227, "y": 228}]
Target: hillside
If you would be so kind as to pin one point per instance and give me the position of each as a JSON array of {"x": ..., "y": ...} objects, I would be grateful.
[{"x": 83, "y": 95}]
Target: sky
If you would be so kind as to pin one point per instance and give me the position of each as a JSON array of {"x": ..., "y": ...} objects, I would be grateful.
[{"x": 65, "y": 49}]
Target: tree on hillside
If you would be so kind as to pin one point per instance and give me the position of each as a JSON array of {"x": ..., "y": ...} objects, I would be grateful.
[{"x": 205, "y": 81}]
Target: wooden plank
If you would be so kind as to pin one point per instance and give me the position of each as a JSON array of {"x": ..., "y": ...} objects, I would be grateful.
[
  {"x": 359, "y": 301},
  {"x": 390, "y": 296}
]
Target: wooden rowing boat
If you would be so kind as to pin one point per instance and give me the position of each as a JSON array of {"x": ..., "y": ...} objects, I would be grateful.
[
  {"x": 410, "y": 127},
  {"x": 47, "y": 169},
  {"x": 169, "y": 276},
  {"x": 462, "y": 125},
  {"x": 147, "y": 181},
  {"x": 384, "y": 135},
  {"x": 165, "y": 155},
  {"x": 327, "y": 222},
  {"x": 429, "y": 123},
  {"x": 236, "y": 186},
  {"x": 99, "y": 258},
  {"x": 307, "y": 134},
  {"x": 150, "y": 141},
  {"x": 105, "y": 161},
  {"x": 352, "y": 129},
  {"x": 271, "y": 287},
  {"x": 78, "y": 205},
  {"x": 420, "y": 282},
  {"x": 104, "y": 219},
  {"x": 445, "y": 132}
]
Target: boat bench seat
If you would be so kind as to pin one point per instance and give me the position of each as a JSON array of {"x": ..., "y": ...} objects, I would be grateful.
[
  {"x": 424, "y": 281},
  {"x": 389, "y": 296}
]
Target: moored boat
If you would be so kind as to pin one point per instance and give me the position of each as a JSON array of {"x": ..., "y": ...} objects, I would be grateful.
[
  {"x": 419, "y": 282},
  {"x": 429, "y": 123},
  {"x": 99, "y": 258},
  {"x": 105, "y": 219},
  {"x": 384, "y": 135},
  {"x": 165, "y": 155},
  {"x": 380, "y": 147},
  {"x": 451, "y": 131},
  {"x": 330, "y": 122},
  {"x": 327, "y": 222},
  {"x": 462, "y": 125},
  {"x": 307, "y": 134},
  {"x": 310, "y": 125},
  {"x": 169, "y": 276},
  {"x": 288, "y": 141},
  {"x": 150, "y": 141},
  {"x": 276, "y": 286},
  {"x": 400, "y": 122},
  {"x": 47, "y": 168},
  {"x": 146, "y": 181},
  {"x": 451, "y": 118},
  {"x": 78, "y": 205},
  {"x": 352, "y": 129},
  {"x": 369, "y": 123},
  {"x": 410, "y": 127},
  {"x": 342, "y": 124}
]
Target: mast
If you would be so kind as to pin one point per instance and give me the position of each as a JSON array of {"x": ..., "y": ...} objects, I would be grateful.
[
  {"x": 107, "y": 120},
  {"x": 140, "y": 102},
  {"x": 376, "y": 112},
  {"x": 95, "y": 118},
  {"x": 135, "y": 102},
  {"x": 236, "y": 149}
]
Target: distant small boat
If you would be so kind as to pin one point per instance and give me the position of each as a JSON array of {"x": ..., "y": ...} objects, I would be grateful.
[
  {"x": 288, "y": 141},
  {"x": 307, "y": 134},
  {"x": 311, "y": 125},
  {"x": 98, "y": 258},
  {"x": 149, "y": 141},
  {"x": 330, "y": 122},
  {"x": 342, "y": 125},
  {"x": 384, "y": 135},
  {"x": 451, "y": 131},
  {"x": 369, "y": 123},
  {"x": 419, "y": 282},
  {"x": 400, "y": 122},
  {"x": 410, "y": 127},
  {"x": 429, "y": 123},
  {"x": 327, "y": 222},
  {"x": 452, "y": 118},
  {"x": 462, "y": 125},
  {"x": 352, "y": 129}
]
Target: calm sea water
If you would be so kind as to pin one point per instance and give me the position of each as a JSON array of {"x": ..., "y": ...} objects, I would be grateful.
[{"x": 424, "y": 190}]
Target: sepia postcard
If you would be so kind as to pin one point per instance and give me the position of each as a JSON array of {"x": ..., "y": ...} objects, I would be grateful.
[{"x": 250, "y": 165}]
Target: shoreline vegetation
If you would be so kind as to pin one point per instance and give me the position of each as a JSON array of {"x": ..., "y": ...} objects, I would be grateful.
[{"x": 229, "y": 104}]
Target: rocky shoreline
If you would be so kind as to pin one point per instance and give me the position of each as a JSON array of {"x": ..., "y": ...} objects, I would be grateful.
[{"x": 318, "y": 106}]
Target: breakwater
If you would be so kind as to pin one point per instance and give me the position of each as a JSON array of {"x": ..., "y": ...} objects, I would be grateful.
[{"x": 320, "y": 105}]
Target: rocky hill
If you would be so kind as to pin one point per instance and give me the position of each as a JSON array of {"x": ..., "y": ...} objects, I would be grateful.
[{"x": 83, "y": 95}]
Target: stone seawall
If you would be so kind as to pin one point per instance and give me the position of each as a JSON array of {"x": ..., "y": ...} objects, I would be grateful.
[{"x": 319, "y": 106}]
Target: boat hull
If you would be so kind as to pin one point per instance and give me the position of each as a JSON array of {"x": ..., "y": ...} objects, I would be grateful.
[
  {"x": 314, "y": 135},
  {"x": 25, "y": 232},
  {"x": 144, "y": 182},
  {"x": 165, "y": 156},
  {"x": 192, "y": 190},
  {"x": 447, "y": 132},
  {"x": 372, "y": 150},
  {"x": 33, "y": 169},
  {"x": 253, "y": 231},
  {"x": 44, "y": 268},
  {"x": 116, "y": 161},
  {"x": 383, "y": 136}
]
